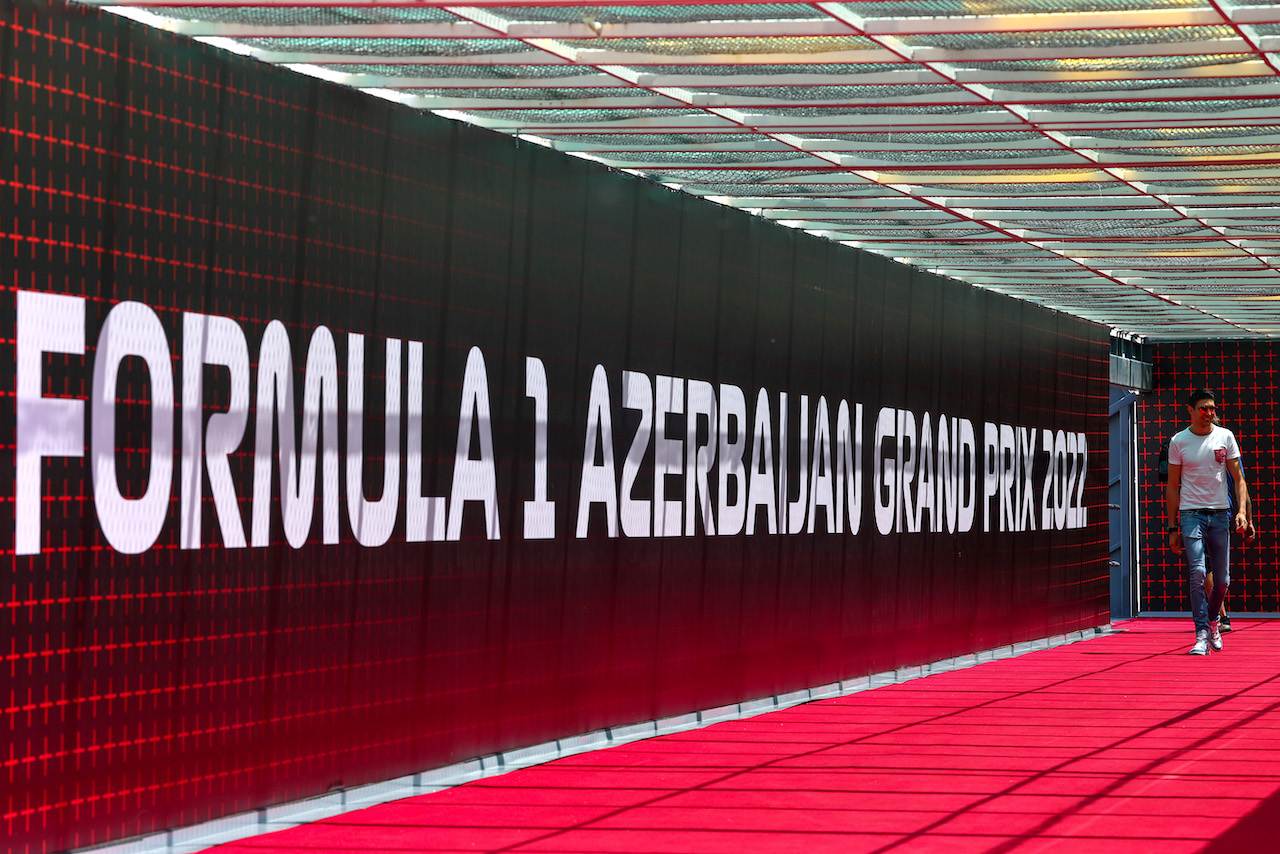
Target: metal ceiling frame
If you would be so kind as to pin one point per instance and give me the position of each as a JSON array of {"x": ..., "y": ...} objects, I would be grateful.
[{"x": 1113, "y": 159}]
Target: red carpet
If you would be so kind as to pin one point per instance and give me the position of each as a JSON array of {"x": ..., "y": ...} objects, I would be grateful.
[{"x": 1118, "y": 744}]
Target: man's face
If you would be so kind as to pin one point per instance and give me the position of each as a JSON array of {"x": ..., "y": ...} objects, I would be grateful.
[{"x": 1203, "y": 412}]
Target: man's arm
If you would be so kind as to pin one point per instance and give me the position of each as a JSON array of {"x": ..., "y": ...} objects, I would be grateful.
[
  {"x": 1244, "y": 506},
  {"x": 1172, "y": 492}
]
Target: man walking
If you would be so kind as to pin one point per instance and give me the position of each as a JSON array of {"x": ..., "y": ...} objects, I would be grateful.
[{"x": 1200, "y": 459}]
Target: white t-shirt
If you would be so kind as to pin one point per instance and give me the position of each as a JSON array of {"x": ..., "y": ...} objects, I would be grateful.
[{"x": 1205, "y": 479}]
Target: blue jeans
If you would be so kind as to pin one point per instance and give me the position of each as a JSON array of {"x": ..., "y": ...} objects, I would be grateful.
[{"x": 1206, "y": 533}]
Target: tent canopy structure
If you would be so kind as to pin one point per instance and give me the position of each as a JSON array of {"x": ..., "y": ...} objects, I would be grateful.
[{"x": 1113, "y": 159}]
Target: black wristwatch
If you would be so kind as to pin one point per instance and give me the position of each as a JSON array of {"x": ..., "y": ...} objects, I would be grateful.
[{"x": 1172, "y": 528}]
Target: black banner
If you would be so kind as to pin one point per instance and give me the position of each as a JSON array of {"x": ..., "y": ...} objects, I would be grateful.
[
  {"x": 349, "y": 442},
  {"x": 1241, "y": 375}
]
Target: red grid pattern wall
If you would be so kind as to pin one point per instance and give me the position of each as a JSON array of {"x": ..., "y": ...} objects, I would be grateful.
[
  {"x": 163, "y": 688},
  {"x": 1245, "y": 377}
]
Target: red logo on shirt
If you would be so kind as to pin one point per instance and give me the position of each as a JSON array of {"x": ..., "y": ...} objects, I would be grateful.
[{"x": 1220, "y": 455}]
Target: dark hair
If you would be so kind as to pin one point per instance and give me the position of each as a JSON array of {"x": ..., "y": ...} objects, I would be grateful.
[{"x": 1200, "y": 394}]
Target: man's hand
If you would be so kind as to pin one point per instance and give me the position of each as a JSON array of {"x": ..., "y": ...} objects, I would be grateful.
[
  {"x": 1243, "y": 524},
  {"x": 1175, "y": 541}
]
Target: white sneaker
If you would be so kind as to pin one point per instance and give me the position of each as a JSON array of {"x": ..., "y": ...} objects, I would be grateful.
[
  {"x": 1202, "y": 644},
  {"x": 1215, "y": 637}
]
